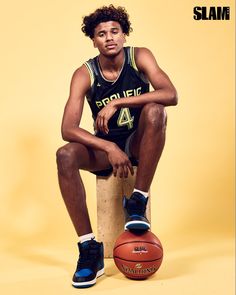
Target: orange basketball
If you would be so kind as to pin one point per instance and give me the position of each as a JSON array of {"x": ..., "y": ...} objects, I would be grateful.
[{"x": 138, "y": 254}]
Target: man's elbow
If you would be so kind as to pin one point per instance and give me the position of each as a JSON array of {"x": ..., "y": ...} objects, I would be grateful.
[
  {"x": 65, "y": 134},
  {"x": 173, "y": 97}
]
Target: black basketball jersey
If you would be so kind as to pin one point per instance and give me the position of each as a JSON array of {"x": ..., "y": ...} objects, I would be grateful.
[{"x": 130, "y": 82}]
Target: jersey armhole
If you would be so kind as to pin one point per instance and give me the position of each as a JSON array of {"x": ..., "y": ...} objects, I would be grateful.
[
  {"x": 134, "y": 66},
  {"x": 89, "y": 68},
  {"x": 132, "y": 58}
]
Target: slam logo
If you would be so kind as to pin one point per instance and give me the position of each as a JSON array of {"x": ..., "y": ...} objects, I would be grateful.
[{"x": 211, "y": 13}]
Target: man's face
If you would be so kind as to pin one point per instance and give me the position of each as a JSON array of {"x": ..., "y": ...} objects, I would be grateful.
[{"x": 109, "y": 38}]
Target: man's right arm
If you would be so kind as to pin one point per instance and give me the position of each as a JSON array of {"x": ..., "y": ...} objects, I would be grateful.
[{"x": 71, "y": 131}]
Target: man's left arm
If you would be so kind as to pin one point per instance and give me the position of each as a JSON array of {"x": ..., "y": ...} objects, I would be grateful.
[{"x": 164, "y": 91}]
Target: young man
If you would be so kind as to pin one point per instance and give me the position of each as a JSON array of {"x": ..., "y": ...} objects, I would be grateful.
[{"x": 130, "y": 124}]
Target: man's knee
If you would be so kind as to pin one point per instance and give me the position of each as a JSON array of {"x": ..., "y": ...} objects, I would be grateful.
[
  {"x": 66, "y": 158},
  {"x": 155, "y": 115}
]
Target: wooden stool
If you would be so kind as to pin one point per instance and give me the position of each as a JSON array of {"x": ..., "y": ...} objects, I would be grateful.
[{"x": 110, "y": 214}]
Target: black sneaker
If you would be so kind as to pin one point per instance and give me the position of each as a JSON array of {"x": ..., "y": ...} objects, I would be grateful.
[
  {"x": 90, "y": 265},
  {"x": 135, "y": 208}
]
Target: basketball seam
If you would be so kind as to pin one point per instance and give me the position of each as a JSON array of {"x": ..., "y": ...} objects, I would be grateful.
[
  {"x": 138, "y": 261},
  {"x": 138, "y": 241}
]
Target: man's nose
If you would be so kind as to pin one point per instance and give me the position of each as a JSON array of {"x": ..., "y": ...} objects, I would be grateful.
[{"x": 109, "y": 37}]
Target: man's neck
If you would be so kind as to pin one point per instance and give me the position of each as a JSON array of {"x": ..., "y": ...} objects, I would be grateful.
[{"x": 112, "y": 63}]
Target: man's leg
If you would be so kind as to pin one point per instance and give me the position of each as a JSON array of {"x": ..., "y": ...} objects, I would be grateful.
[
  {"x": 146, "y": 146},
  {"x": 148, "y": 142},
  {"x": 71, "y": 158}
]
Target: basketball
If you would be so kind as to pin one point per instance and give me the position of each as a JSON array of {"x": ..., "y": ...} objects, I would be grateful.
[{"x": 138, "y": 255}]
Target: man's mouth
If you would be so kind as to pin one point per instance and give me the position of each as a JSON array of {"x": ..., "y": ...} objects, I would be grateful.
[{"x": 111, "y": 46}]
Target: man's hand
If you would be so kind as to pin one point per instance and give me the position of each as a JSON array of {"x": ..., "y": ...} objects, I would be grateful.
[
  {"x": 120, "y": 162},
  {"x": 104, "y": 115}
]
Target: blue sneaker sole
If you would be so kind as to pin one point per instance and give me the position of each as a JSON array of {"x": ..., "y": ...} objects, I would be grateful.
[{"x": 90, "y": 283}]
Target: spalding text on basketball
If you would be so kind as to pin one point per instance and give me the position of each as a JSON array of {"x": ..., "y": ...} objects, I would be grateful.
[{"x": 130, "y": 270}]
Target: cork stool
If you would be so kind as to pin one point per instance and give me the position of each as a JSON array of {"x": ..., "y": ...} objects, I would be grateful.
[{"x": 110, "y": 214}]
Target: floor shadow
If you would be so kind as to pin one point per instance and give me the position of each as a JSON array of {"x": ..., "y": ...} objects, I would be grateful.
[{"x": 181, "y": 262}]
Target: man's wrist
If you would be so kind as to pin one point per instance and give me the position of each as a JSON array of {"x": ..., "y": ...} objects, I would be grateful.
[
  {"x": 109, "y": 147},
  {"x": 116, "y": 103},
  {"x": 123, "y": 102}
]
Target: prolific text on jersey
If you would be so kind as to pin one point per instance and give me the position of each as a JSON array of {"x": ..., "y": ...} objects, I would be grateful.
[{"x": 126, "y": 93}]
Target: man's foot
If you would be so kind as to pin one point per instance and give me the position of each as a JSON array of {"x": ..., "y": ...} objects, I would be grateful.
[
  {"x": 135, "y": 208},
  {"x": 90, "y": 265}
]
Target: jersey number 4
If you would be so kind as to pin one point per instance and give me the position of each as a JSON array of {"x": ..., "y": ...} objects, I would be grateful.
[{"x": 125, "y": 118}]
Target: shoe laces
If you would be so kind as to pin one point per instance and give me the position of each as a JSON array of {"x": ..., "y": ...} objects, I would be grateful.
[
  {"x": 88, "y": 255},
  {"x": 136, "y": 205}
]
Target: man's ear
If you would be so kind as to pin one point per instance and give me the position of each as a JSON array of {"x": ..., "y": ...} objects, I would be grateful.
[
  {"x": 124, "y": 38},
  {"x": 94, "y": 43}
]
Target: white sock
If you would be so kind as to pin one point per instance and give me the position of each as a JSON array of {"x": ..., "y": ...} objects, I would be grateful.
[
  {"x": 145, "y": 194},
  {"x": 86, "y": 237}
]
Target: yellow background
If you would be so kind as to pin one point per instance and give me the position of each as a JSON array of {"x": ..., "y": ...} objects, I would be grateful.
[{"x": 193, "y": 189}]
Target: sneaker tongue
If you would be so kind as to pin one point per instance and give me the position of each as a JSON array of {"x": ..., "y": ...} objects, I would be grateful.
[
  {"x": 136, "y": 204},
  {"x": 139, "y": 197},
  {"x": 87, "y": 244},
  {"x": 89, "y": 251}
]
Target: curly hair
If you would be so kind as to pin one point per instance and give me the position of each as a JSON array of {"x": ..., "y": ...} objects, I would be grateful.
[{"x": 104, "y": 14}]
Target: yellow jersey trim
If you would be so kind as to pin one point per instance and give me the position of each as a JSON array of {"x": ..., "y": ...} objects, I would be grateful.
[
  {"x": 133, "y": 58},
  {"x": 90, "y": 72}
]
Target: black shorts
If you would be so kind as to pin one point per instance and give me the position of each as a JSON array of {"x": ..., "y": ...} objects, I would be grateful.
[{"x": 123, "y": 144}]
